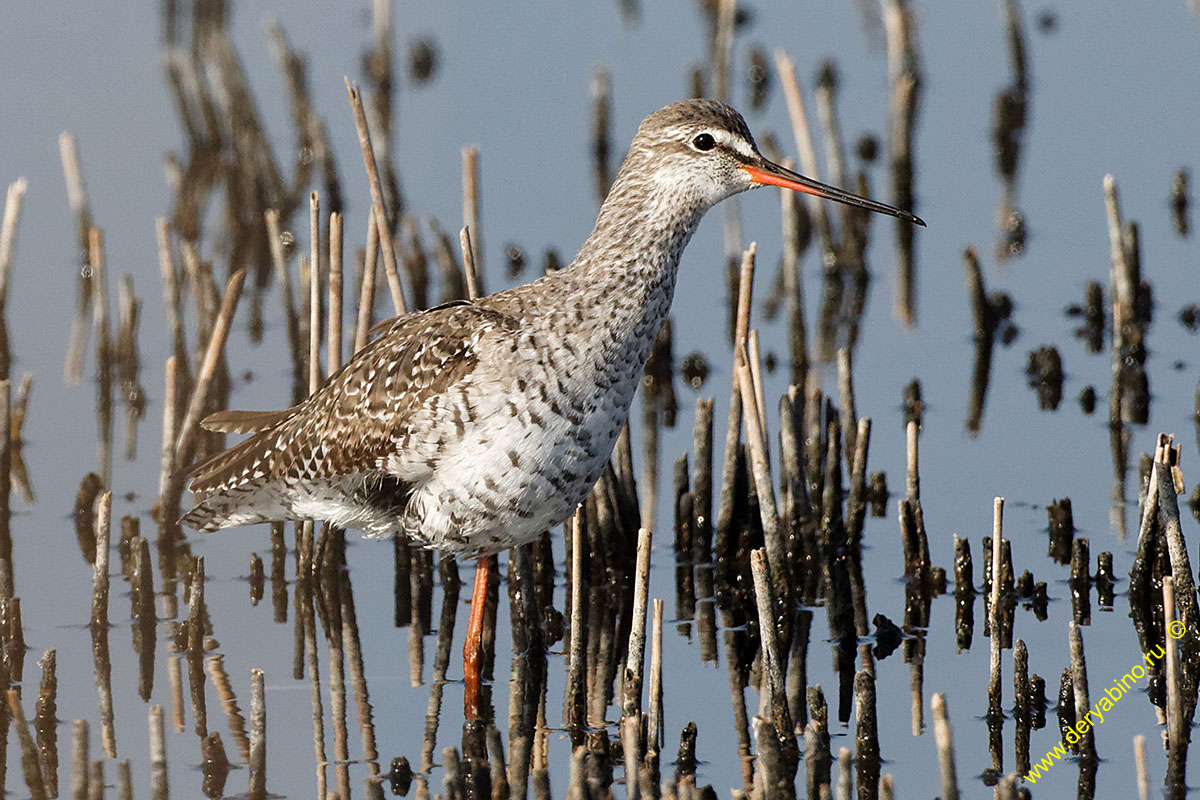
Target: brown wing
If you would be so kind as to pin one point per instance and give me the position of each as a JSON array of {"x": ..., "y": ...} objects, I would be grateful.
[{"x": 362, "y": 414}]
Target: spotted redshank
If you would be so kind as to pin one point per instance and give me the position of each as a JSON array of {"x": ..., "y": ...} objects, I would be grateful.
[{"x": 477, "y": 425}]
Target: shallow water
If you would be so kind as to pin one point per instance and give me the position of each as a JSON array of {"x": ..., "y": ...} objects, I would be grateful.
[{"x": 1111, "y": 92}]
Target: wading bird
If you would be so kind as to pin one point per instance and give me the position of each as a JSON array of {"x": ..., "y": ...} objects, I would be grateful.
[{"x": 477, "y": 425}]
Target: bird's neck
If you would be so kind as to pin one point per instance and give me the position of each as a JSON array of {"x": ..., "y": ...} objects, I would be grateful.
[{"x": 629, "y": 261}]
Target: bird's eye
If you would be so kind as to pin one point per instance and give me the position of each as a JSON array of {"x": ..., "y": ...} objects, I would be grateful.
[{"x": 704, "y": 142}]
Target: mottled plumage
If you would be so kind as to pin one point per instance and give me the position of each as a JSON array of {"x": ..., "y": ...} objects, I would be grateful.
[{"x": 475, "y": 426}]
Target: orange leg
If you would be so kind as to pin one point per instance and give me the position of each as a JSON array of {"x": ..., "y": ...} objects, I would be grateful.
[{"x": 485, "y": 568}]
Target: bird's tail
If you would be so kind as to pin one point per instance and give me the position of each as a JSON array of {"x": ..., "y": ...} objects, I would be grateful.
[
  {"x": 244, "y": 506},
  {"x": 232, "y": 487}
]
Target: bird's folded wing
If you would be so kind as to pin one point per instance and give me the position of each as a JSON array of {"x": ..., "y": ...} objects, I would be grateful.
[{"x": 365, "y": 414}]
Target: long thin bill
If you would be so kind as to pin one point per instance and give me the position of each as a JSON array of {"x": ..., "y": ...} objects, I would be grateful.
[{"x": 774, "y": 175}]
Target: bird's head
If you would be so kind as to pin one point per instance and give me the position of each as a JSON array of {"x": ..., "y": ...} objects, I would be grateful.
[{"x": 704, "y": 149}]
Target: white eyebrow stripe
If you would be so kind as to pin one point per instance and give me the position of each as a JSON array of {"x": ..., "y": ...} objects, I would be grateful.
[{"x": 733, "y": 142}]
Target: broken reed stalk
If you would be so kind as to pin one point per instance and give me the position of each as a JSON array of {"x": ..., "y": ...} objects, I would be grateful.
[
  {"x": 845, "y": 788},
  {"x": 630, "y": 728},
  {"x": 314, "y": 293},
  {"x": 471, "y": 206},
  {"x": 826, "y": 96},
  {"x": 29, "y": 750},
  {"x": 904, "y": 83},
  {"x": 99, "y": 625},
  {"x": 171, "y": 287},
  {"x": 170, "y": 404},
  {"x": 390, "y": 270},
  {"x": 216, "y": 343},
  {"x": 195, "y": 648},
  {"x": 804, "y": 146},
  {"x": 1176, "y": 731},
  {"x": 856, "y": 503},
  {"x": 793, "y": 283},
  {"x": 1181, "y": 567},
  {"x": 945, "y": 746},
  {"x": 994, "y": 698},
  {"x": 77, "y": 197},
  {"x": 78, "y": 200},
  {"x": 866, "y": 735},
  {"x": 279, "y": 264},
  {"x": 846, "y": 397},
  {"x": 635, "y": 660},
  {"x": 573, "y": 712},
  {"x": 8, "y": 233},
  {"x": 722, "y": 46},
  {"x": 103, "y": 348},
  {"x": 601, "y": 90},
  {"x": 96, "y": 781},
  {"x": 175, "y": 680},
  {"x": 761, "y": 473},
  {"x": 733, "y": 431},
  {"x": 1123, "y": 290},
  {"x": 258, "y": 736},
  {"x": 912, "y": 475},
  {"x": 158, "y": 754},
  {"x": 100, "y": 568},
  {"x": 79, "y": 759},
  {"x": 702, "y": 480},
  {"x": 46, "y": 721},
  {"x": 368, "y": 151},
  {"x": 1139, "y": 760},
  {"x": 781, "y": 716},
  {"x": 6, "y": 452},
  {"x": 756, "y": 374},
  {"x": 333, "y": 328},
  {"x": 654, "y": 692},
  {"x": 470, "y": 271},
  {"x": 124, "y": 780},
  {"x": 366, "y": 293},
  {"x": 1087, "y": 745}
]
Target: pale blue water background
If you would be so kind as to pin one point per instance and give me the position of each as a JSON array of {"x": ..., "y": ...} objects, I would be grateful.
[{"x": 1113, "y": 90}]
